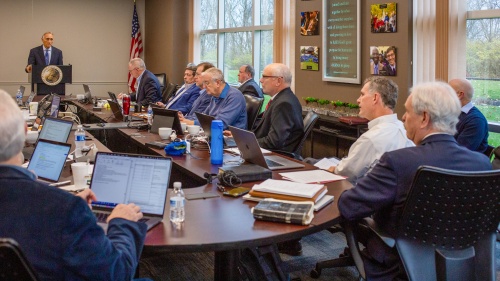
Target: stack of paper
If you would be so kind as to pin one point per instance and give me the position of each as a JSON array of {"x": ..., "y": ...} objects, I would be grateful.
[
  {"x": 326, "y": 163},
  {"x": 313, "y": 176},
  {"x": 286, "y": 190}
]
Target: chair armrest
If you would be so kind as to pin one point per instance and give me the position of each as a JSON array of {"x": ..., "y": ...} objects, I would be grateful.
[
  {"x": 353, "y": 246},
  {"x": 287, "y": 154},
  {"x": 384, "y": 236}
]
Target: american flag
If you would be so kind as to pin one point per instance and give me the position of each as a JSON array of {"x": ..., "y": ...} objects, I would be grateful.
[{"x": 135, "y": 47}]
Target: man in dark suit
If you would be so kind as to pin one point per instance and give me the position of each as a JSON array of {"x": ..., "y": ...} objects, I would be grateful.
[
  {"x": 248, "y": 85},
  {"x": 148, "y": 87},
  {"x": 46, "y": 54},
  {"x": 390, "y": 67},
  {"x": 56, "y": 230},
  {"x": 281, "y": 126},
  {"x": 430, "y": 120}
]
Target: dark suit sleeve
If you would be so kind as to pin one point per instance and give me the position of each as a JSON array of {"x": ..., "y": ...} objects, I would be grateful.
[
  {"x": 151, "y": 91},
  {"x": 91, "y": 255},
  {"x": 31, "y": 59},
  {"x": 472, "y": 133},
  {"x": 378, "y": 189},
  {"x": 281, "y": 125},
  {"x": 59, "y": 60}
]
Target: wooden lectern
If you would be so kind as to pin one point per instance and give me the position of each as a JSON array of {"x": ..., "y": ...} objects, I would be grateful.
[{"x": 50, "y": 79}]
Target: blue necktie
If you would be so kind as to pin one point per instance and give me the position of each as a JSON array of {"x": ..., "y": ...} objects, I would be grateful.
[{"x": 47, "y": 56}]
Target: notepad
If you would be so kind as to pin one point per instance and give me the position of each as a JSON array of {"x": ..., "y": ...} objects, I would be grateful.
[{"x": 314, "y": 176}]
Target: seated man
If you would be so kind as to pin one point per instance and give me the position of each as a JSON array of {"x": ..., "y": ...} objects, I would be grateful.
[
  {"x": 386, "y": 133},
  {"x": 56, "y": 230},
  {"x": 226, "y": 103},
  {"x": 248, "y": 85},
  {"x": 281, "y": 126},
  {"x": 148, "y": 87},
  {"x": 201, "y": 103},
  {"x": 430, "y": 120},
  {"x": 184, "y": 98},
  {"x": 472, "y": 127}
]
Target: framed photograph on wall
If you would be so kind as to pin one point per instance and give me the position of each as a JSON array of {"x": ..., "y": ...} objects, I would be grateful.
[
  {"x": 309, "y": 58},
  {"x": 309, "y": 23},
  {"x": 341, "y": 41},
  {"x": 383, "y": 60},
  {"x": 383, "y": 18}
]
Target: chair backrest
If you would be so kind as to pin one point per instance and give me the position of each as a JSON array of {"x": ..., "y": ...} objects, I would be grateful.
[
  {"x": 169, "y": 92},
  {"x": 448, "y": 223},
  {"x": 253, "y": 108},
  {"x": 489, "y": 151},
  {"x": 309, "y": 122},
  {"x": 162, "y": 78},
  {"x": 13, "y": 264}
]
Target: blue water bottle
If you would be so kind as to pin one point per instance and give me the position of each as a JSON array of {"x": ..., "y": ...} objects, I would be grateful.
[{"x": 216, "y": 143}]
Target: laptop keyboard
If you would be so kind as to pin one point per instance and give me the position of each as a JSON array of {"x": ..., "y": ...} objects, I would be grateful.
[
  {"x": 271, "y": 163},
  {"x": 102, "y": 217}
]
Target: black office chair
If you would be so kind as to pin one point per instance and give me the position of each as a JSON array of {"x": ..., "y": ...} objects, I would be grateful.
[
  {"x": 253, "y": 108},
  {"x": 13, "y": 264},
  {"x": 162, "y": 78},
  {"x": 489, "y": 151},
  {"x": 169, "y": 92},
  {"x": 309, "y": 122},
  {"x": 447, "y": 228}
]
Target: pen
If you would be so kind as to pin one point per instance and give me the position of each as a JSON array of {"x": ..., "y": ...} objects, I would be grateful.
[{"x": 60, "y": 183}]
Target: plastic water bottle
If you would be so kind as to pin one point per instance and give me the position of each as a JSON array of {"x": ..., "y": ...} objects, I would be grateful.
[
  {"x": 177, "y": 201},
  {"x": 150, "y": 115},
  {"x": 19, "y": 98},
  {"x": 216, "y": 142},
  {"x": 79, "y": 141}
]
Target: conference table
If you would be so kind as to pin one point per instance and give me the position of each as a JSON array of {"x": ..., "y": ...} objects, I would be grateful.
[{"x": 221, "y": 224}]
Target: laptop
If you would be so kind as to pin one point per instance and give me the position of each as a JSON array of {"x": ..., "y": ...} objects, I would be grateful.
[
  {"x": 166, "y": 118},
  {"x": 44, "y": 106},
  {"x": 87, "y": 93},
  {"x": 30, "y": 99},
  {"x": 48, "y": 159},
  {"x": 206, "y": 124},
  {"x": 250, "y": 151},
  {"x": 130, "y": 178},
  {"x": 117, "y": 111},
  {"x": 56, "y": 129},
  {"x": 113, "y": 97}
]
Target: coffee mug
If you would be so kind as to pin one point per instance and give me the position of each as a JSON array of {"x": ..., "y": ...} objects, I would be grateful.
[
  {"x": 193, "y": 129},
  {"x": 81, "y": 173},
  {"x": 164, "y": 132},
  {"x": 183, "y": 125},
  {"x": 34, "y": 108}
]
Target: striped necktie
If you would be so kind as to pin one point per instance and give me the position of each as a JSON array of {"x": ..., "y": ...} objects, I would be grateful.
[{"x": 47, "y": 61}]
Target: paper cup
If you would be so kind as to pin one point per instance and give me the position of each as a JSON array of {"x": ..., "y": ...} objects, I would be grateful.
[
  {"x": 81, "y": 174},
  {"x": 164, "y": 132},
  {"x": 34, "y": 108},
  {"x": 26, "y": 114},
  {"x": 183, "y": 125},
  {"x": 31, "y": 137},
  {"x": 193, "y": 129}
]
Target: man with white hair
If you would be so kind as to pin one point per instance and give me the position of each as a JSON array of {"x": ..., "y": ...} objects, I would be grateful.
[
  {"x": 56, "y": 230},
  {"x": 430, "y": 120},
  {"x": 472, "y": 127}
]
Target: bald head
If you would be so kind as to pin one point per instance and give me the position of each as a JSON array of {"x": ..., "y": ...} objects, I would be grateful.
[{"x": 464, "y": 90}]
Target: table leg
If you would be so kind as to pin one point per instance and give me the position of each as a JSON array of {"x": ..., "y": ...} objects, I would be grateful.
[{"x": 226, "y": 265}]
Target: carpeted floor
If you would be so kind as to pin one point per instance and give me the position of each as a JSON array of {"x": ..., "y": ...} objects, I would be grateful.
[{"x": 319, "y": 246}]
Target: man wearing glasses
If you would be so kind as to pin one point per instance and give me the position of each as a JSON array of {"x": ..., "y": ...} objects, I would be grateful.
[
  {"x": 281, "y": 126},
  {"x": 148, "y": 87}
]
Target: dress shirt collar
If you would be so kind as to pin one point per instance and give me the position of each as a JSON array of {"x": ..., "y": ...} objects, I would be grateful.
[
  {"x": 21, "y": 170},
  {"x": 139, "y": 80},
  {"x": 382, "y": 119},
  {"x": 273, "y": 97},
  {"x": 50, "y": 49},
  {"x": 433, "y": 134},
  {"x": 466, "y": 108},
  {"x": 244, "y": 82}
]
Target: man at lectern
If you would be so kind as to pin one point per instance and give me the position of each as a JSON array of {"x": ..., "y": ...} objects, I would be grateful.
[{"x": 45, "y": 54}]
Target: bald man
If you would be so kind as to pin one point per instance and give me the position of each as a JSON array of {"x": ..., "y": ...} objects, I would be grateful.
[{"x": 472, "y": 127}]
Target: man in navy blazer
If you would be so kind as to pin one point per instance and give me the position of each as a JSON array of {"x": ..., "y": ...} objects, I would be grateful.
[
  {"x": 46, "y": 52},
  {"x": 281, "y": 126},
  {"x": 248, "y": 85},
  {"x": 56, "y": 230},
  {"x": 148, "y": 87},
  {"x": 430, "y": 120}
]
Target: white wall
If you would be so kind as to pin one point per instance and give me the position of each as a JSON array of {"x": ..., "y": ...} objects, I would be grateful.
[{"x": 94, "y": 36}]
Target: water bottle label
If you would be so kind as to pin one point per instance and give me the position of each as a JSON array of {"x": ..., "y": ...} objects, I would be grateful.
[
  {"x": 177, "y": 202},
  {"x": 80, "y": 138}
]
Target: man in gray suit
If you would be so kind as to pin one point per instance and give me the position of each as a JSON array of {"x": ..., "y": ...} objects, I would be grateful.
[{"x": 248, "y": 85}]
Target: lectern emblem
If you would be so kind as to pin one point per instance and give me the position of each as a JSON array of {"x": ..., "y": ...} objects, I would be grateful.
[{"x": 51, "y": 75}]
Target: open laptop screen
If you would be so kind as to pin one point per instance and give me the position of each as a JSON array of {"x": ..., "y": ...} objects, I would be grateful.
[
  {"x": 54, "y": 107},
  {"x": 48, "y": 159},
  {"x": 56, "y": 129},
  {"x": 130, "y": 178}
]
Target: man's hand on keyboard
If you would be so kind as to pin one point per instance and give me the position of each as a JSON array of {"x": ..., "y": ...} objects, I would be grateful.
[
  {"x": 129, "y": 212},
  {"x": 87, "y": 195}
]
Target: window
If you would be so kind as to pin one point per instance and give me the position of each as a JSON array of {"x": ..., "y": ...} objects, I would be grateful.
[
  {"x": 483, "y": 58},
  {"x": 235, "y": 32}
]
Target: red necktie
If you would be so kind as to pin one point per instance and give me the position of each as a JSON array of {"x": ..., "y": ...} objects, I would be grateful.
[{"x": 269, "y": 103}]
